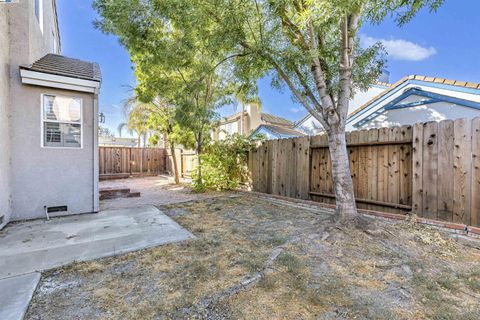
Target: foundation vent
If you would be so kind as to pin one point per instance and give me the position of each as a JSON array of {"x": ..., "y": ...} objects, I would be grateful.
[{"x": 57, "y": 209}]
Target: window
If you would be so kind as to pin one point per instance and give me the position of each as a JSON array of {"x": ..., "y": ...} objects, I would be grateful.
[{"x": 61, "y": 121}]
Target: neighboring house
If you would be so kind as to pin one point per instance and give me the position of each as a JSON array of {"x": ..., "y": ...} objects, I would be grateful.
[
  {"x": 418, "y": 99},
  {"x": 275, "y": 132},
  {"x": 311, "y": 126},
  {"x": 48, "y": 118},
  {"x": 117, "y": 142},
  {"x": 252, "y": 121}
]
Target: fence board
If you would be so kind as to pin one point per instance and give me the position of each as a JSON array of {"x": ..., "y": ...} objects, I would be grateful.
[
  {"x": 417, "y": 169},
  {"x": 462, "y": 161},
  {"x": 383, "y": 166},
  {"x": 475, "y": 208},
  {"x": 445, "y": 170},
  {"x": 393, "y": 166},
  {"x": 430, "y": 166},
  {"x": 127, "y": 161},
  {"x": 406, "y": 133},
  {"x": 432, "y": 169}
]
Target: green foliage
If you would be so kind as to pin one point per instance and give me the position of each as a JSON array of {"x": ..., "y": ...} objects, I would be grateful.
[{"x": 225, "y": 163}]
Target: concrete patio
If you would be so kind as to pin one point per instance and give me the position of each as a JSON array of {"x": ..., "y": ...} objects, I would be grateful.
[
  {"x": 39, "y": 245},
  {"x": 29, "y": 247}
]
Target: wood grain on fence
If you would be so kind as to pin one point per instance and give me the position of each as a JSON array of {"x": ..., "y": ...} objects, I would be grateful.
[
  {"x": 432, "y": 169},
  {"x": 125, "y": 161}
]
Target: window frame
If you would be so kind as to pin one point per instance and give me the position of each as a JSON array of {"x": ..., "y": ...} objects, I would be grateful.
[{"x": 42, "y": 121}]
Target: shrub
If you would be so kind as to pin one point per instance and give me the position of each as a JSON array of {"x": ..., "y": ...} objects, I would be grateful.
[{"x": 224, "y": 163}]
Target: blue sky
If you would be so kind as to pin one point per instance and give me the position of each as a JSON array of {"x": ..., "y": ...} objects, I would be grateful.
[{"x": 443, "y": 44}]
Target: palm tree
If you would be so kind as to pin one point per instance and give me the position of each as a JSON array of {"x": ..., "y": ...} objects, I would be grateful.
[
  {"x": 137, "y": 119},
  {"x": 155, "y": 116}
]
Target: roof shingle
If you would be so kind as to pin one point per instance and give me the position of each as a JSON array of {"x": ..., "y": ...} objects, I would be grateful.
[
  {"x": 67, "y": 67},
  {"x": 281, "y": 131},
  {"x": 271, "y": 119}
]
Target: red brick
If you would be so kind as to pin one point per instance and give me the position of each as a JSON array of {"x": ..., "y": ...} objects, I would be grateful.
[{"x": 474, "y": 230}]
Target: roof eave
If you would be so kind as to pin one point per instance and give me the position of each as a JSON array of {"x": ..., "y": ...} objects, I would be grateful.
[{"x": 60, "y": 82}]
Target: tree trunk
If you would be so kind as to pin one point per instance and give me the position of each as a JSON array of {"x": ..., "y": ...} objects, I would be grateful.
[
  {"x": 342, "y": 180},
  {"x": 175, "y": 165},
  {"x": 198, "y": 151}
]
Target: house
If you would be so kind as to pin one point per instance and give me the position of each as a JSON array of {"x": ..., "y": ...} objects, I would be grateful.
[
  {"x": 311, "y": 126},
  {"x": 252, "y": 121},
  {"x": 48, "y": 118},
  {"x": 418, "y": 99},
  {"x": 411, "y": 99},
  {"x": 276, "y": 132}
]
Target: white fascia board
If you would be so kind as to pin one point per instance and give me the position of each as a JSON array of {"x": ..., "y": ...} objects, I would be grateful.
[{"x": 60, "y": 82}]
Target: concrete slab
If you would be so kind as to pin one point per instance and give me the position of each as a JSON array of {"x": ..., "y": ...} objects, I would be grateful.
[
  {"x": 15, "y": 295},
  {"x": 41, "y": 245}
]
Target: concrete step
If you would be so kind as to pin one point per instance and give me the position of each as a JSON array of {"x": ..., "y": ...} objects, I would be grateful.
[{"x": 114, "y": 193}]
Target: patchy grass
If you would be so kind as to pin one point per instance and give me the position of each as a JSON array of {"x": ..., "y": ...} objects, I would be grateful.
[{"x": 404, "y": 271}]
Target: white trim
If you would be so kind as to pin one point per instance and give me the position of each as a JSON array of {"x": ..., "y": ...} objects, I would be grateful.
[
  {"x": 42, "y": 121},
  {"x": 61, "y": 82}
]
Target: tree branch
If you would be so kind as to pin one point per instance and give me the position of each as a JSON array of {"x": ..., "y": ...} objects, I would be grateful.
[{"x": 297, "y": 94}]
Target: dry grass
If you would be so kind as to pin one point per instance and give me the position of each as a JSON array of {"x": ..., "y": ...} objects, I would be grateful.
[{"x": 403, "y": 272}]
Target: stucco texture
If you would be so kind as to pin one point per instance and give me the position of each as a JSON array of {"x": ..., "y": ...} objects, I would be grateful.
[
  {"x": 5, "y": 192},
  {"x": 50, "y": 176}
]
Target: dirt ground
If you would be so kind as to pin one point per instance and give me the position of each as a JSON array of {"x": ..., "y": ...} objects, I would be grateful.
[
  {"x": 258, "y": 258},
  {"x": 155, "y": 190}
]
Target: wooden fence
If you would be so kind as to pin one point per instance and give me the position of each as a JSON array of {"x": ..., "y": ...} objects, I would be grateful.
[
  {"x": 186, "y": 162},
  {"x": 432, "y": 169},
  {"x": 119, "y": 162}
]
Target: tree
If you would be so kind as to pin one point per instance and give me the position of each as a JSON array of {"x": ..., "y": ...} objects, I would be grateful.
[
  {"x": 137, "y": 119},
  {"x": 162, "y": 121},
  {"x": 173, "y": 60},
  {"x": 312, "y": 47}
]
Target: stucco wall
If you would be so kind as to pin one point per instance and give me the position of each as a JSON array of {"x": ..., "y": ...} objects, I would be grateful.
[
  {"x": 312, "y": 126},
  {"x": 5, "y": 192},
  {"x": 432, "y": 112},
  {"x": 30, "y": 176},
  {"x": 50, "y": 176}
]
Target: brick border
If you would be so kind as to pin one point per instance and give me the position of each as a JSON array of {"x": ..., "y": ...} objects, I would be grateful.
[{"x": 451, "y": 227}]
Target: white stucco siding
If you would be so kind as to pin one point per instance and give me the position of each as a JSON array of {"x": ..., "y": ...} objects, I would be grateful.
[
  {"x": 312, "y": 126},
  {"x": 432, "y": 112},
  {"x": 5, "y": 191},
  {"x": 51, "y": 176}
]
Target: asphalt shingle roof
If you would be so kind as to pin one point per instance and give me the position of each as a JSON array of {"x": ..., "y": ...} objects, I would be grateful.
[
  {"x": 67, "y": 67},
  {"x": 282, "y": 131},
  {"x": 270, "y": 118}
]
